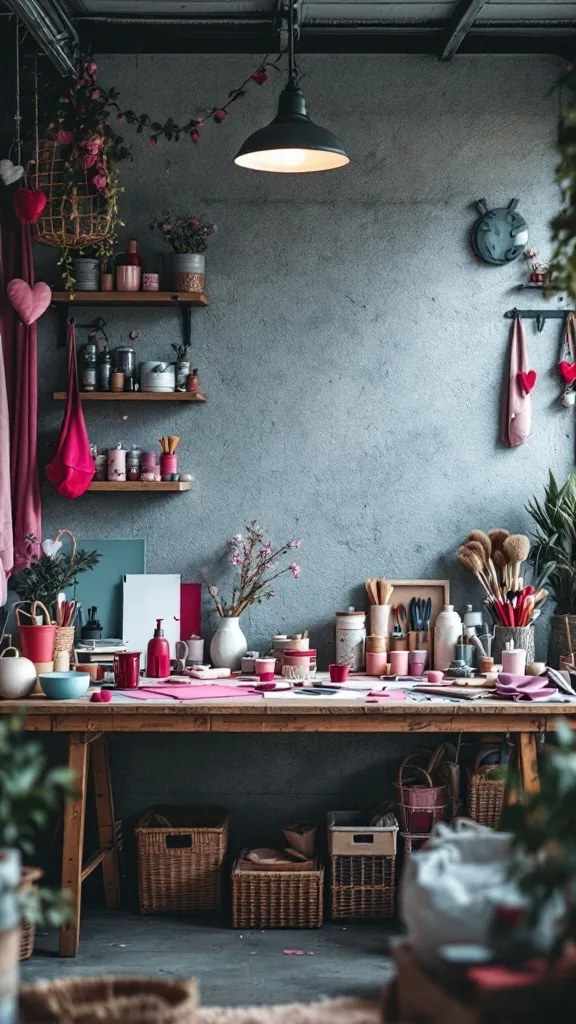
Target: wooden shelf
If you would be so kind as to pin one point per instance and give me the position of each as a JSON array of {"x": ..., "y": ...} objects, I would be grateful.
[
  {"x": 131, "y": 299},
  {"x": 135, "y": 396},
  {"x": 141, "y": 485}
]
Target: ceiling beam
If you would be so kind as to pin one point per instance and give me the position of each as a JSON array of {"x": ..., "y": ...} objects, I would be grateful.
[{"x": 462, "y": 20}]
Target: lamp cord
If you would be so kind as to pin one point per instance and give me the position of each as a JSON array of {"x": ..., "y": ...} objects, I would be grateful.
[{"x": 293, "y": 27}]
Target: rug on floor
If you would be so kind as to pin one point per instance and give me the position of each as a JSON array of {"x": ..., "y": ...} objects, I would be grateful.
[{"x": 330, "y": 1011}]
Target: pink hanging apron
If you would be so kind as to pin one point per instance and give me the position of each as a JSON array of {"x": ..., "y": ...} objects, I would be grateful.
[
  {"x": 516, "y": 411},
  {"x": 72, "y": 468}
]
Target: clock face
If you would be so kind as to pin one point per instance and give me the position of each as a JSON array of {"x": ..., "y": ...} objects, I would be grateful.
[{"x": 500, "y": 236}]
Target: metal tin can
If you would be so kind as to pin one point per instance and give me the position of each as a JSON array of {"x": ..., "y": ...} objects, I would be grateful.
[{"x": 351, "y": 639}]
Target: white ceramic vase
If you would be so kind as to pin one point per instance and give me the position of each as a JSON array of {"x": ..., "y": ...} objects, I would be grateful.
[
  {"x": 9, "y": 935},
  {"x": 228, "y": 645}
]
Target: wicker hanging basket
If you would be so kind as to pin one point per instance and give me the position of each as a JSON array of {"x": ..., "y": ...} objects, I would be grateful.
[{"x": 76, "y": 214}]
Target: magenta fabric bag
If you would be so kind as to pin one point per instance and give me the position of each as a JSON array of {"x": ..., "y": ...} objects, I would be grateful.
[{"x": 72, "y": 468}]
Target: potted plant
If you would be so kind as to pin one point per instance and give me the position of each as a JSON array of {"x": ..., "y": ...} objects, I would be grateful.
[
  {"x": 188, "y": 239},
  {"x": 29, "y": 793},
  {"x": 555, "y": 520},
  {"x": 257, "y": 562},
  {"x": 53, "y": 571}
]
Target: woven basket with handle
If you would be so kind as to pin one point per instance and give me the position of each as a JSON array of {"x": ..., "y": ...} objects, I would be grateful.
[
  {"x": 420, "y": 802},
  {"x": 75, "y": 215},
  {"x": 486, "y": 792},
  {"x": 29, "y": 879}
]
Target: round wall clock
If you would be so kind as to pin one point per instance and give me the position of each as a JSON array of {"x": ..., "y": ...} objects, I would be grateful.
[{"x": 500, "y": 235}]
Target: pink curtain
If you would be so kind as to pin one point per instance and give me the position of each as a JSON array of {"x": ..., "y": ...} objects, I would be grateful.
[{"x": 20, "y": 361}]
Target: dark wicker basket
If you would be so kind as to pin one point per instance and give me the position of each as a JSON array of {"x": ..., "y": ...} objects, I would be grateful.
[
  {"x": 29, "y": 879},
  {"x": 109, "y": 998},
  {"x": 276, "y": 899},
  {"x": 180, "y": 855},
  {"x": 485, "y": 793},
  {"x": 362, "y": 886}
]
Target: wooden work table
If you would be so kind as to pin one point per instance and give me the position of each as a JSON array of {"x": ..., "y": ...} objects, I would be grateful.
[{"x": 88, "y": 725}]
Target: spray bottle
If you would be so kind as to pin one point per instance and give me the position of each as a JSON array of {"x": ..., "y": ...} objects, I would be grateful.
[{"x": 158, "y": 656}]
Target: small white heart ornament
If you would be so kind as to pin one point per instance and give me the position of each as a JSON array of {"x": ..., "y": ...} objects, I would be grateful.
[
  {"x": 10, "y": 172},
  {"x": 51, "y": 547}
]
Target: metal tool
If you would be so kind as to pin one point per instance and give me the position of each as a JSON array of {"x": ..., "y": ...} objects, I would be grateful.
[{"x": 400, "y": 619}]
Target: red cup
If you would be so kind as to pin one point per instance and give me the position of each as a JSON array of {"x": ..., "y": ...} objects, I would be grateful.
[
  {"x": 338, "y": 673},
  {"x": 127, "y": 670},
  {"x": 266, "y": 677}
]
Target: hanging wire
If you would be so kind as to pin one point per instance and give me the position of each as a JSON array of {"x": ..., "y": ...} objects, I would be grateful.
[
  {"x": 17, "y": 116},
  {"x": 36, "y": 127}
]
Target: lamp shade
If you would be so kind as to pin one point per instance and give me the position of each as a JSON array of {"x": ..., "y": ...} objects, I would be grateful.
[{"x": 292, "y": 143}]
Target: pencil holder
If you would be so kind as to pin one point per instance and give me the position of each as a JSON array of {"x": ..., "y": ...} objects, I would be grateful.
[
  {"x": 521, "y": 636},
  {"x": 379, "y": 619},
  {"x": 64, "y": 639},
  {"x": 168, "y": 465}
]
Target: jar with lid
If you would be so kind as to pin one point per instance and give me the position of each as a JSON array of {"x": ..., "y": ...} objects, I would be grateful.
[
  {"x": 104, "y": 370},
  {"x": 133, "y": 463},
  {"x": 351, "y": 639},
  {"x": 88, "y": 366}
]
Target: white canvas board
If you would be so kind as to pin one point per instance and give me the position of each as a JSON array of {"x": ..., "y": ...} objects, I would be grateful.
[{"x": 145, "y": 598}]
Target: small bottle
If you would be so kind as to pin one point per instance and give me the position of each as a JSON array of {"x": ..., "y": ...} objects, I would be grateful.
[
  {"x": 88, "y": 367},
  {"x": 193, "y": 382},
  {"x": 158, "y": 654},
  {"x": 104, "y": 370},
  {"x": 130, "y": 258},
  {"x": 129, "y": 269}
]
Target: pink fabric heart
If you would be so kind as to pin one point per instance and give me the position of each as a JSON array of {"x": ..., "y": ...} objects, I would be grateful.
[
  {"x": 527, "y": 380},
  {"x": 28, "y": 302}
]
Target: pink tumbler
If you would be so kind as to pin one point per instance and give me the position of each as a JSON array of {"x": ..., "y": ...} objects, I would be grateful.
[{"x": 127, "y": 670}]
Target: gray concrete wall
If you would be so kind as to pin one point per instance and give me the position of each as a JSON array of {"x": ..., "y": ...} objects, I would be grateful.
[{"x": 352, "y": 352}]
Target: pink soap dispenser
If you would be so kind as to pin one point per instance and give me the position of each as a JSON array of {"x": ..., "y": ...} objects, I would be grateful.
[{"x": 158, "y": 656}]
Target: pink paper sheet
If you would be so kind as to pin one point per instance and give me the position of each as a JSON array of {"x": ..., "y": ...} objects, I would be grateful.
[{"x": 203, "y": 692}]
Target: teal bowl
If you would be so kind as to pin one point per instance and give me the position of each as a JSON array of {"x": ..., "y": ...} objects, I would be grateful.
[{"x": 64, "y": 685}]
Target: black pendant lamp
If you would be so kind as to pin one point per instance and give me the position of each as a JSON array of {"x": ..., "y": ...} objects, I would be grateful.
[{"x": 292, "y": 143}]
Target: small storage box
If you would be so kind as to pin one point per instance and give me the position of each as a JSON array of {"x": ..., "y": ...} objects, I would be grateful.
[
  {"x": 363, "y": 866},
  {"x": 180, "y": 855},
  {"x": 348, "y": 835},
  {"x": 276, "y": 899}
]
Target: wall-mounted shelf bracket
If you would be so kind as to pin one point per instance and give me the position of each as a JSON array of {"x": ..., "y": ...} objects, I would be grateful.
[{"x": 539, "y": 315}]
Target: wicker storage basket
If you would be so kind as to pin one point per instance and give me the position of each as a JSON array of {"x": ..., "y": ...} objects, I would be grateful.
[
  {"x": 420, "y": 802},
  {"x": 276, "y": 899},
  {"x": 180, "y": 855},
  {"x": 78, "y": 217},
  {"x": 485, "y": 794},
  {"x": 110, "y": 999},
  {"x": 362, "y": 886},
  {"x": 28, "y": 880}
]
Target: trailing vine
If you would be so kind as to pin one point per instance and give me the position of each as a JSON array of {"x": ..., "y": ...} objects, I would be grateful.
[{"x": 563, "y": 265}]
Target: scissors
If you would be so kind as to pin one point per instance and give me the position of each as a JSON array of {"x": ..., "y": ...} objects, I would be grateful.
[
  {"x": 400, "y": 619},
  {"x": 420, "y": 612}
]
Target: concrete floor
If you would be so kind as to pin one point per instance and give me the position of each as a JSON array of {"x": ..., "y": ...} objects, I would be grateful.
[{"x": 233, "y": 967}]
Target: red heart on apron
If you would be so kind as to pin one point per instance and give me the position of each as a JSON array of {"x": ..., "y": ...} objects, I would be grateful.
[
  {"x": 29, "y": 205},
  {"x": 567, "y": 371},
  {"x": 528, "y": 379}
]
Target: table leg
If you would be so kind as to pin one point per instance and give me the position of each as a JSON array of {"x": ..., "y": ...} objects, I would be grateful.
[
  {"x": 74, "y": 818},
  {"x": 106, "y": 825},
  {"x": 528, "y": 763}
]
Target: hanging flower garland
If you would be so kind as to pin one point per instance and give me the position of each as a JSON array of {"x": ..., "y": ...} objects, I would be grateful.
[{"x": 563, "y": 265}]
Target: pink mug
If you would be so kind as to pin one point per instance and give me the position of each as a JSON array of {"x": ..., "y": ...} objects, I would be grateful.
[
  {"x": 376, "y": 663},
  {"x": 399, "y": 663},
  {"x": 417, "y": 662}
]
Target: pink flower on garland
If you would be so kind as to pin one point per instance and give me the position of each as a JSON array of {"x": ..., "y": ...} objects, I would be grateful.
[
  {"x": 64, "y": 137},
  {"x": 219, "y": 115},
  {"x": 121, "y": 117},
  {"x": 95, "y": 94},
  {"x": 153, "y": 140},
  {"x": 92, "y": 68},
  {"x": 294, "y": 543},
  {"x": 195, "y": 136},
  {"x": 260, "y": 77},
  {"x": 100, "y": 181},
  {"x": 88, "y": 160}
]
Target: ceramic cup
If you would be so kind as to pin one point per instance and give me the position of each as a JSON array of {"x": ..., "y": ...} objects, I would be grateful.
[
  {"x": 514, "y": 662},
  {"x": 338, "y": 673},
  {"x": 376, "y": 663},
  {"x": 127, "y": 670},
  {"x": 417, "y": 662},
  {"x": 150, "y": 282},
  {"x": 434, "y": 676},
  {"x": 263, "y": 666},
  {"x": 399, "y": 663}
]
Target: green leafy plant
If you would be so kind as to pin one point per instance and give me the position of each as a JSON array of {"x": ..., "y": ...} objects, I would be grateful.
[
  {"x": 29, "y": 794},
  {"x": 47, "y": 575},
  {"x": 555, "y": 520},
  {"x": 544, "y": 833},
  {"x": 563, "y": 265}
]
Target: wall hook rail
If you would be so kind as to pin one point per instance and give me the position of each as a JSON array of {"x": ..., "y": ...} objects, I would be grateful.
[{"x": 539, "y": 315}]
